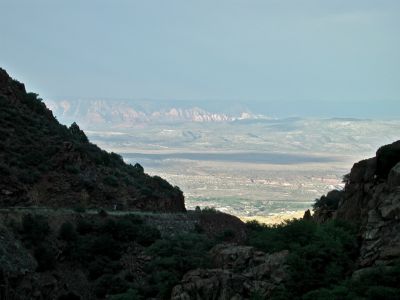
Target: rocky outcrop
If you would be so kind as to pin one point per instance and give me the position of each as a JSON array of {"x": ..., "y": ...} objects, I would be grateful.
[
  {"x": 371, "y": 200},
  {"x": 240, "y": 272},
  {"x": 222, "y": 226}
]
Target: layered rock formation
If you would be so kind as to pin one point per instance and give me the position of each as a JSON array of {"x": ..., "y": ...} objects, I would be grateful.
[
  {"x": 240, "y": 272},
  {"x": 371, "y": 200},
  {"x": 44, "y": 163},
  {"x": 119, "y": 114}
]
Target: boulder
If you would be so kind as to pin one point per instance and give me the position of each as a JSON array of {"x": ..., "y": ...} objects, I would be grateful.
[
  {"x": 241, "y": 273},
  {"x": 371, "y": 201}
]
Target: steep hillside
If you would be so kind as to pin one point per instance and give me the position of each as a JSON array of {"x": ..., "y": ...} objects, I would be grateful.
[
  {"x": 44, "y": 163},
  {"x": 370, "y": 199}
]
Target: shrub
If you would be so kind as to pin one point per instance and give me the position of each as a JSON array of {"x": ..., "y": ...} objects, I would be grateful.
[
  {"x": 33, "y": 158},
  {"x": 29, "y": 176},
  {"x": 148, "y": 235},
  {"x": 4, "y": 170},
  {"x": 320, "y": 255},
  {"x": 209, "y": 210},
  {"x": 34, "y": 228},
  {"x": 106, "y": 246},
  {"x": 72, "y": 169},
  {"x": 35, "y": 103},
  {"x": 171, "y": 259},
  {"x": 131, "y": 294},
  {"x": 130, "y": 229},
  {"x": 67, "y": 232},
  {"x": 226, "y": 235},
  {"x": 109, "y": 284},
  {"x": 111, "y": 181},
  {"x": 84, "y": 226},
  {"x": 138, "y": 168},
  {"x": 378, "y": 284},
  {"x": 103, "y": 265},
  {"x": 116, "y": 158},
  {"x": 288, "y": 235},
  {"x": 45, "y": 256}
]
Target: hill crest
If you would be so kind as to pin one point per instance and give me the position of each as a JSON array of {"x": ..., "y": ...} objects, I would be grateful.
[{"x": 44, "y": 163}]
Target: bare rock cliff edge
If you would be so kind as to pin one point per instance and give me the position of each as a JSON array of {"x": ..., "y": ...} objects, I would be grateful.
[{"x": 371, "y": 201}]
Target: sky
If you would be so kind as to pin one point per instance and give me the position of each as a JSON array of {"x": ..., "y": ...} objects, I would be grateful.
[{"x": 306, "y": 57}]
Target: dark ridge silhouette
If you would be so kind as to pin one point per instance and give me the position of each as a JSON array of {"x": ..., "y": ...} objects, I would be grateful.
[{"x": 44, "y": 163}]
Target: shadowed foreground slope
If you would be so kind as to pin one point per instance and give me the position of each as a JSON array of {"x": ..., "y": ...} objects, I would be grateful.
[{"x": 44, "y": 163}]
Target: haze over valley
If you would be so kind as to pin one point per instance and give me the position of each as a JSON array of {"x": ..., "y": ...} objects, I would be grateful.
[{"x": 228, "y": 157}]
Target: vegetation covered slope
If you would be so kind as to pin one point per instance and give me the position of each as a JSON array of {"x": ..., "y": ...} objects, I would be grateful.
[
  {"x": 323, "y": 262},
  {"x": 58, "y": 254},
  {"x": 44, "y": 163}
]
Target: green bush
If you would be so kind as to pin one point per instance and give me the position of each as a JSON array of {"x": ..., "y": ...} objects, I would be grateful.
[
  {"x": 209, "y": 210},
  {"x": 171, "y": 259},
  {"x": 33, "y": 158},
  {"x": 289, "y": 235},
  {"x": 106, "y": 246},
  {"x": 378, "y": 284},
  {"x": 111, "y": 181},
  {"x": 320, "y": 255},
  {"x": 131, "y": 294},
  {"x": 226, "y": 235},
  {"x": 4, "y": 170},
  {"x": 103, "y": 265},
  {"x": 67, "y": 232},
  {"x": 84, "y": 226},
  {"x": 45, "y": 256},
  {"x": 130, "y": 229},
  {"x": 109, "y": 237},
  {"x": 109, "y": 284},
  {"x": 35, "y": 103},
  {"x": 116, "y": 158},
  {"x": 29, "y": 176},
  {"x": 35, "y": 228},
  {"x": 137, "y": 167},
  {"x": 72, "y": 169}
]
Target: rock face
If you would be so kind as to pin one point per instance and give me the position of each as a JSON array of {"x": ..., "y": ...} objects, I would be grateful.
[
  {"x": 44, "y": 163},
  {"x": 371, "y": 200},
  {"x": 241, "y": 273}
]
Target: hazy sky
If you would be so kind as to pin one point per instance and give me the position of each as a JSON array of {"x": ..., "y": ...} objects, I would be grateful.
[{"x": 305, "y": 53}]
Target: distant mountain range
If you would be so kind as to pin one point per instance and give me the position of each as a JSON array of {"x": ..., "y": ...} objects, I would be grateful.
[{"x": 131, "y": 113}]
